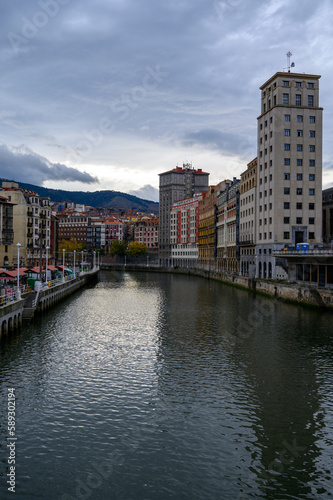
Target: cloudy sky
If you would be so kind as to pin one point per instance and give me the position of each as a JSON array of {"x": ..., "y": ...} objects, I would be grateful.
[{"x": 110, "y": 93}]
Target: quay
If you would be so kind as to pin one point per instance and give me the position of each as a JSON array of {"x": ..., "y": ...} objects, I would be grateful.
[
  {"x": 23, "y": 306},
  {"x": 294, "y": 293}
]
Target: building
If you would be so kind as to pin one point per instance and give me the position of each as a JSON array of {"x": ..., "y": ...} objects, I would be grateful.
[
  {"x": 73, "y": 226},
  {"x": 289, "y": 201},
  {"x": 184, "y": 232},
  {"x": 6, "y": 233},
  {"x": 328, "y": 216},
  {"x": 177, "y": 184},
  {"x": 146, "y": 232},
  {"x": 227, "y": 227},
  {"x": 247, "y": 219}
]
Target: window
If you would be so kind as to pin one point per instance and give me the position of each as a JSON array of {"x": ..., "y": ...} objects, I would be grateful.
[
  {"x": 286, "y": 177},
  {"x": 286, "y": 235},
  {"x": 298, "y": 100},
  {"x": 299, "y": 118},
  {"x": 285, "y": 83},
  {"x": 312, "y": 119},
  {"x": 299, "y": 133},
  {"x": 286, "y": 205},
  {"x": 298, "y": 84},
  {"x": 287, "y": 147},
  {"x": 299, "y": 206},
  {"x": 299, "y": 191},
  {"x": 286, "y": 220},
  {"x": 310, "y": 101},
  {"x": 299, "y": 220},
  {"x": 287, "y": 161},
  {"x": 299, "y": 177},
  {"x": 299, "y": 147},
  {"x": 285, "y": 99},
  {"x": 299, "y": 162},
  {"x": 312, "y": 133},
  {"x": 311, "y": 177},
  {"x": 311, "y": 191},
  {"x": 287, "y": 118},
  {"x": 287, "y": 131},
  {"x": 311, "y": 206},
  {"x": 310, "y": 85},
  {"x": 311, "y": 220},
  {"x": 312, "y": 163},
  {"x": 311, "y": 235},
  {"x": 312, "y": 148},
  {"x": 286, "y": 191}
]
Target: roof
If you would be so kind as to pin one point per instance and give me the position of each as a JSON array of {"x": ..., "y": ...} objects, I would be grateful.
[{"x": 283, "y": 74}]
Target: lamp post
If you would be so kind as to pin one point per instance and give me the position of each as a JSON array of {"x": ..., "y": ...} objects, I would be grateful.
[
  {"x": 94, "y": 259},
  {"x": 18, "y": 271},
  {"x": 47, "y": 258},
  {"x": 63, "y": 264},
  {"x": 74, "y": 263},
  {"x": 82, "y": 262}
]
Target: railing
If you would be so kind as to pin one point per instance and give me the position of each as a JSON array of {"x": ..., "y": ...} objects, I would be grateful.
[{"x": 320, "y": 252}]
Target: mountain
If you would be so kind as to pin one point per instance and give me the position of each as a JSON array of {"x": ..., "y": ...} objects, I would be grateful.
[{"x": 103, "y": 199}]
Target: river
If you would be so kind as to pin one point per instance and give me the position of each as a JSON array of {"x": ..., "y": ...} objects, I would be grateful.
[{"x": 158, "y": 386}]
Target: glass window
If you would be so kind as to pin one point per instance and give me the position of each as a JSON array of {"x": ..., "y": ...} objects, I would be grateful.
[
  {"x": 285, "y": 83},
  {"x": 286, "y": 235},
  {"x": 286, "y": 176},
  {"x": 287, "y": 118},
  {"x": 312, "y": 119},
  {"x": 287, "y": 161},
  {"x": 287, "y": 131},
  {"x": 299, "y": 177},
  {"x": 310, "y": 85},
  {"x": 285, "y": 99},
  {"x": 299, "y": 191},
  {"x": 299, "y": 133},
  {"x": 299, "y": 206},
  {"x": 286, "y": 220},
  {"x": 299, "y": 162},
  {"x": 299, "y": 118},
  {"x": 310, "y": 101},
  {"x": 299, "y": 220},
  {"x": 312, "y": 163},
  {"x": 312, "y": 148},
  {"x": 311, "y": 191},
  {"x": 312, "y": 133},
  {"x": 311, "y": 220},
  {"x": 298, "y": 84},
  {"x": 298, "y": 100},
  {"x": 286, "y": 190},
  {"x": 311, "y": 206},
  {"x": 287, "y": 147},
  {"x": 311, "y": 236},
  {"x": 311, "y": 177},
  {"x": 299, "y": 147},
  {"x": 286, "y": 205}
]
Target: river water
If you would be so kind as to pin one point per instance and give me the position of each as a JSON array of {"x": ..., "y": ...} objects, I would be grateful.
[{"x": 156, "y": 386}]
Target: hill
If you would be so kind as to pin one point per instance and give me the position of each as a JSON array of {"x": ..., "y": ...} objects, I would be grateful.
[{"x": 103, "y": 199}]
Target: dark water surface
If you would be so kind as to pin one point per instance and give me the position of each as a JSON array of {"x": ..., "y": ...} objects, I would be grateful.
[{"x": 152, "y": 386}]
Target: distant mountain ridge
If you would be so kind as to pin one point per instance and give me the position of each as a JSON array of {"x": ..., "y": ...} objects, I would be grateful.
[{"x": 102, "y": 199}]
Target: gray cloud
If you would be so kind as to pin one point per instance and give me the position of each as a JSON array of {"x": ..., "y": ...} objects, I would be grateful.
[
  {"x": 225, "y": 142},
  {"x": 24, "y": 165}
]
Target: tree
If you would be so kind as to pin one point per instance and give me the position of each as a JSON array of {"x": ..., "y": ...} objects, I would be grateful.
[
  {"x": 136, "y": 249},
  {"x": 118, "y": 248},
  {"x": 70, "y": 245}
]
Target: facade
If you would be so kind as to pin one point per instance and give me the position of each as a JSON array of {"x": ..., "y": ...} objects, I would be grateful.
[
  {"x": 289, "y": 201},
  {"x": 114, "y": 230},
  {"x": 73, "y": 226},
  {"x": 175, "y": 185},
  {"x": 328, "y": 216},
  {"x": 146, "y": 232},
  {"x": 184, "y": 232},
  {"x": 6, "y": 233},
  {"x": 227, "y": 227},
  {"x": 247, "y": 219}
]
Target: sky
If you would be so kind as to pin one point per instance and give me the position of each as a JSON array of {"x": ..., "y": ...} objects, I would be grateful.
[{"x": 108, "y": 94}]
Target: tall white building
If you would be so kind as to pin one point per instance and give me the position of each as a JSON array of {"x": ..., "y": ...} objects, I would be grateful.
[{"x": 289, "y": 189}]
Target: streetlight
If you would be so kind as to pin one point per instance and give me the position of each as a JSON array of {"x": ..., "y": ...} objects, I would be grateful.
[
  {"x": 18, "y": 271},
  {"x": 63, "y": 264},
  {"x": 47, "y": 257},
  {"x": 94, "y": 259},
  {"x": 82, "y": 262},
  {"x": 74, "y": 263}
]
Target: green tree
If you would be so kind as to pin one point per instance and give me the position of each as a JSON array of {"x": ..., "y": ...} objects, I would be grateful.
[
  {"x": 136, "y": 249},
  {"x": 118, "y": 248},
  {"x": 70, "y": 245}
]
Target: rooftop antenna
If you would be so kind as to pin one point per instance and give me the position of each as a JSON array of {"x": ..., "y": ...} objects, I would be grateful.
[{"x": 290, "y": 65}]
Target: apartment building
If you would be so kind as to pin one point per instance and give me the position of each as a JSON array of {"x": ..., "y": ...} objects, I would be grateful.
[
  {"x": 289, "y": 201},
  {"x": 6, "y": 233},
  {"x": 146, "y": 232},
  {"x": 247, "y": 219},
  {"x": 175, "y": 185},
  {"x": 73, "y": 226},
  {"x": 227, "y": 227},
  {"x": 184, "y": 232},
  {"x": 328, "y": 215}
]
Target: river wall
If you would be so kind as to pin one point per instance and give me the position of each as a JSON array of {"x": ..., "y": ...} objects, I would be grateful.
[
  {"x": 14, "y": 314},
  {"x": 289, "y": 292}
]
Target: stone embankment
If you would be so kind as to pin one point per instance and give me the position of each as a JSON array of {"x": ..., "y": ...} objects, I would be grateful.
[
  {"x": 289, "y": 292},
  {"x": 14, "y": 313}
]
